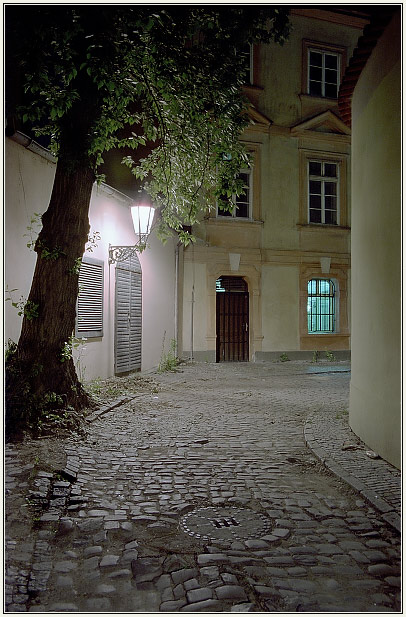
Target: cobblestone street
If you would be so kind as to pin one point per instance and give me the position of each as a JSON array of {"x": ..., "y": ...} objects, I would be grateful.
[{"x": 202, "y": 495}]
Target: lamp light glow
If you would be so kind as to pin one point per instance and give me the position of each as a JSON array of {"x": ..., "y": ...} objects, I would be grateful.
[{"x": 142, "y": 216}]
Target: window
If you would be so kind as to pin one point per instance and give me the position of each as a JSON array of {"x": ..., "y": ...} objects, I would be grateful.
[
  {"x": 248, "y": 61},
  {"x": 323, "y": 73},
  {"x": 243, "y": 202},
  {"x": 323, "y": 192},
  {"x": 89, "y": 311},
  {"x": 321, "y": 309},
  {"x": 323, "y": 65}
]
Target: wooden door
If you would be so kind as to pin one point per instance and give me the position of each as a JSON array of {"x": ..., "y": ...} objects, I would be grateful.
[{"x": 232, "y": 324}]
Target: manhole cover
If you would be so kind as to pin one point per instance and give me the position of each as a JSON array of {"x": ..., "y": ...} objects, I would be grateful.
[{"x": 225, "y": 524}]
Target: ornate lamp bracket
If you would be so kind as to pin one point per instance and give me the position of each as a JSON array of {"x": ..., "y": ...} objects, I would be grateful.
[{"x": 121, "y": 253}]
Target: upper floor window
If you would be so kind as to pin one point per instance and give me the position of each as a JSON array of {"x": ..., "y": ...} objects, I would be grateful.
[
  {"x": 321, "y": 306},
  {"x": 323, "y": 73},
  {"x": 323, "y": 66},
  {"x": 243, "y": 202},
  {"x": 323, "y": 192},
  {"x": 248, "y": 61}
]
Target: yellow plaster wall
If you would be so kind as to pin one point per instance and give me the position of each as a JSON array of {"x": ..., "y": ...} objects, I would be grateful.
[
  {"x": 280, "y": 194},
  {"x": 280, "y": 308},
  {"x": 375, "y": 397},
  {"x": 284, "y": 106},
  {"x": 194, "y": 288}
]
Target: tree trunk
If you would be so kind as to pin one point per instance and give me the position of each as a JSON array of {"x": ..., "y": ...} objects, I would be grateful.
[{"x": 37, "y": 371}]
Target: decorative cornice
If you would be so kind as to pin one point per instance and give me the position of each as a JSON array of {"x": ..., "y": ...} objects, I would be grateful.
[{"x": 326, "y": 119}]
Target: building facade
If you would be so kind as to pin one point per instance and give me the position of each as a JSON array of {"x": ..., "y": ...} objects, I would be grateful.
[
  {"x": 125, "y": 312},
  {"x": 273, "y": 276}
]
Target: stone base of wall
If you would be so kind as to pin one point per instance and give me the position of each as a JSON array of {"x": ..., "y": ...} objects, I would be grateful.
[
  {"x": 200, "y": 356},
  {"x": 306, "y": 356},
  {"x": 273, "y": 356}
]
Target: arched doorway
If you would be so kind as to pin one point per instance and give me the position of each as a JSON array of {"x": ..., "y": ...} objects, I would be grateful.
[
  {"x": 232, "y": 319},
  {"x": 128, "y": 316}
]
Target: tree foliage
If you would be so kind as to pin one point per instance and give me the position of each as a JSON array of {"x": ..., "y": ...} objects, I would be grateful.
[
  {"x": 163, "y": 83},
  {"x": 166, "y": 77}
]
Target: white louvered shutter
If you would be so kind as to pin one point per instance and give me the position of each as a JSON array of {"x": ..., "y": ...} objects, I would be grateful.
[
  {"x": 89, "y": 309},
  {"x": 128, "y": 322}
]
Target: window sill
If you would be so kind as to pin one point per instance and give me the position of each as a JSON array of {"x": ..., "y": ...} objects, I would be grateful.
[
  {"x": 318, "y": 99},
  {"x": 322, "y": 227},
  {"x": 232, "y": 219}
]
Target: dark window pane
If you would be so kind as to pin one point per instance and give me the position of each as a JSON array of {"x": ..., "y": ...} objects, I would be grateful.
[
  {"x": 330, "y": 76},
  {"x": 241, "y": 210},
  {"x": 314, "y": 168},
  {"x": 331, "y": 62},
  {"x": 315, "y": 201},
  {"x": 330, "y": 170},
  {"x": 316, "y": 58},
  {"x": 316, "y": 73},
  {"x": 315, "y": 88},
  {"x": 315, "y": 187},
  {"x": 330, "y": 188},
  {"x": 330, "y": 217},
  {"x": 315, "y": 216},
  {"x": 330, "y": 91},
  {"x": 330, "y": 203}
]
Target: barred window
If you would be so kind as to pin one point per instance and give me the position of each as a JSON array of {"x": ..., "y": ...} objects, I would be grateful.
[{"x": 321, "y": 306}]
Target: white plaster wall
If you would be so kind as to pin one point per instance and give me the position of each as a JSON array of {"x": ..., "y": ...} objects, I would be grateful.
[
  {"x": 375, "y": 397},
  {"x": 158, "y": 300},
  {"x": 280, "y": 308},
  {"x": 28, "y": 185}
]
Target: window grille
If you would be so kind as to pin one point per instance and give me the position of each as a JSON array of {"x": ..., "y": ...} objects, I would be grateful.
[
  {"x": 89, "y": 308},
  {"x": 321, "y": 306},
  {"x": 323, "y": 73},
  {"x": 323, "y": 192}
]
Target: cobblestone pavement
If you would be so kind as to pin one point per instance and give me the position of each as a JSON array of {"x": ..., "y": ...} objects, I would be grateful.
[{"x": 202, "y": 496}]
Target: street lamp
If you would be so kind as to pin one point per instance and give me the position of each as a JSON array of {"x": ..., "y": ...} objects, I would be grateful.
[{"x": 142, "y": 220}]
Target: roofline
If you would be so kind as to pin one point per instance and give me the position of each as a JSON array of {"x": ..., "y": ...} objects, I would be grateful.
[{"x": 366, "y": 44}]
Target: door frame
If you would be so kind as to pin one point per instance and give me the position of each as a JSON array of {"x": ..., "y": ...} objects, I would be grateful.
[{"x": 233, "y": 323}]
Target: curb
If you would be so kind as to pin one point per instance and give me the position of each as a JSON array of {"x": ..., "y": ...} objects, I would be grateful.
[{"x": 389, "y": 515}]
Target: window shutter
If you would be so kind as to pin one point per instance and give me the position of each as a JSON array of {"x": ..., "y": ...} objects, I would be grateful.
[{"x": 89, "y": 311}]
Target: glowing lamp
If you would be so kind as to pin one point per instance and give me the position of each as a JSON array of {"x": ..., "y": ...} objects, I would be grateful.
[{"x": 142, "y": 216}]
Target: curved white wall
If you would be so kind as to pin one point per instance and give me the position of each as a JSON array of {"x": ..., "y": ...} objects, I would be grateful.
[{"x": 375, "y": 398}]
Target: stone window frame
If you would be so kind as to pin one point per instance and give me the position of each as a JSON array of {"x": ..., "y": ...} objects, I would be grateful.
[
  {"x": 342, "y": 160},
  {"x": 307, "y": 45}
]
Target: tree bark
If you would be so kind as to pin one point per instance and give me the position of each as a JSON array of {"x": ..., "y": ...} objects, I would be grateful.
[{"x": 37, "y": 370}]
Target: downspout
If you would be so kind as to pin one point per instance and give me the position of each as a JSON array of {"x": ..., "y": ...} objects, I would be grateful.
[{"x": 176, "y": 317}]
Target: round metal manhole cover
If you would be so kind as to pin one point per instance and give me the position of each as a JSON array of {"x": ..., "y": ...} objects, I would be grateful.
[{"x": 225, "y": 524}]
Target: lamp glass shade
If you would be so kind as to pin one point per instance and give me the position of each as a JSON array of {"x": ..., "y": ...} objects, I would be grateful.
[{"x": 142, "y": 219}]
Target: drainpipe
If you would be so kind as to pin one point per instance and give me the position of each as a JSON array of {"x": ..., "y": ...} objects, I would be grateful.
[
  {"x": 177, "y": 297},
  {"x": 191, "y": 323}
]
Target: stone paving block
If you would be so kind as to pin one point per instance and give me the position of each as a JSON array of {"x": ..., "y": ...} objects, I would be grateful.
[
  {"x": 198, "y": 595},
  {"x": 202, "y": 607},
  {"x": 172, "y": 606},
  {"x": 180, "y": 576},
  {"x": 231, "y": 592}
]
